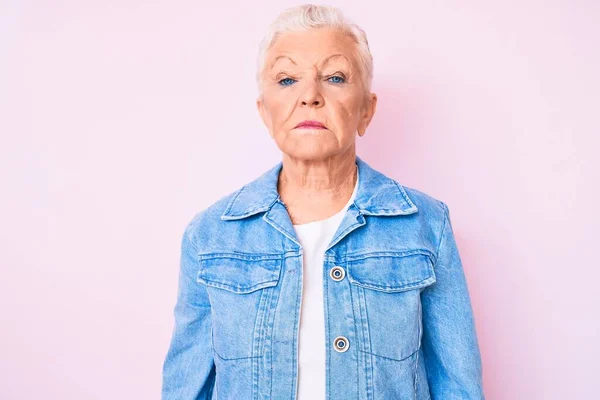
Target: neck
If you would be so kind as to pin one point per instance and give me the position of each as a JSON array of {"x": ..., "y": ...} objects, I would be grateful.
[{"x": 329, "y": 180}]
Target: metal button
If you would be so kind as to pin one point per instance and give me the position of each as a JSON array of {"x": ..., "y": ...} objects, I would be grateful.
[
  {"x": 337, "y": 273},
  {"x": 341, "y": 344}
]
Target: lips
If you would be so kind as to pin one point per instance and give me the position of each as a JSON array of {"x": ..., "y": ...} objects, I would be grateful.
[{"x": 311, "y": 124}]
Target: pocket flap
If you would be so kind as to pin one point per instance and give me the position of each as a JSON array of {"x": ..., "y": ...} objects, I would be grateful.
[
  {"x": 392, "y": 273},
  {"x": 239, "y": 275}
]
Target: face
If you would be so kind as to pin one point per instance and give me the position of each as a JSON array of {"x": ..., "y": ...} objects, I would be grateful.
[{"x": 314, "y": 75}]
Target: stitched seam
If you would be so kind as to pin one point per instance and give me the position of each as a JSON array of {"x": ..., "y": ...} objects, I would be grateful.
[
  {"x": 296, "y": 338},
  {"x": 356, "y": 336},
  {"x": 192, "y": 241},
  {"x": 233, "y": 358},
  {"x": 363, "y": 332},
  {"x": 402, "y": 288},
  {"x": 371, "y": 384},
  {"x": 257, "y": 343},
  {"x": 230, "y": 205},
  {"x": 236, "y": 255},
  {"x": 237, "y": 288},
  {"x": 386, "y": 253},
  {"x": 389, "y": 358},
  {"x": 416, "y": 374},
  {"x": 270, "y": 328},
  {"x": 404, "y": 194},
  {"x": 328, "y": 356},
  {"x": 417, "y": 357},
  {"x": 437, "y": 256},
  {"x": 252, "y": 207}
]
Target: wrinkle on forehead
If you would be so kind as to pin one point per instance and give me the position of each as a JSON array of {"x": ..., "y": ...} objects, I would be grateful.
[
  {"x": 321, "y": 63},
  {"x": 340, "y": 44}
]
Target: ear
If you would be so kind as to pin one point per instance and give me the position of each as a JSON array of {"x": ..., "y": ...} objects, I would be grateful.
[
  {"x": 260, "y": 105},
  {"x": 369, "y": 112}
]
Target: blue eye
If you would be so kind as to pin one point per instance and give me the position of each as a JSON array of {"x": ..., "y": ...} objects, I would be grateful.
[
  {"x": 286, "y": 80},
  {"x": 341, "y": 80}
]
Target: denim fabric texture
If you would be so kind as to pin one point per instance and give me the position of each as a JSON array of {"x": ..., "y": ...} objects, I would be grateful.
[{"x": 402, "y": 306}]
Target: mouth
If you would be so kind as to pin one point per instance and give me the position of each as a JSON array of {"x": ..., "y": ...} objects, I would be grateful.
[{"x": 310, "y": 124}]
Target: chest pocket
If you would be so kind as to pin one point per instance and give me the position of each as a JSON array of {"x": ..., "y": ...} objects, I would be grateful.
[
  {"x": 240, "y": 288},
  {"x": 389, "y": 288}
]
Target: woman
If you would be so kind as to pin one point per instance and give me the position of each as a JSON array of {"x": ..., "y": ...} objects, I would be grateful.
[{"x": 322, "y": 278}]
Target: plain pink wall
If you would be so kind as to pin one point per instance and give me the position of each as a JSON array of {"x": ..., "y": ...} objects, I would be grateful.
[{"x": 121, "y": 119}]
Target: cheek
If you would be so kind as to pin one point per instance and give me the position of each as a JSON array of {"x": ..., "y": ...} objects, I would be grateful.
[
  {"x": 346, "y": 111},
  {"x": 279, "y": 108}
]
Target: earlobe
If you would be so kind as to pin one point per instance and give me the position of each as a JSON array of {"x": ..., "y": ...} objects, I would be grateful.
[
  {"x": 362, "y": 127},
  {"x": 368, "y": 114}
]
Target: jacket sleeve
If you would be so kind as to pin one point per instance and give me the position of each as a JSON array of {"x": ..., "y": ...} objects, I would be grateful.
[
  {"x": 450, "y": 345},
  {"x": 188, "y": 369}
]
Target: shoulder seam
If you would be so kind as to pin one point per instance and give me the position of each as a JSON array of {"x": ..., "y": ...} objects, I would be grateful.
[
  {"x": 442, "y": 232},
  {"x": 187, "y": 232}
]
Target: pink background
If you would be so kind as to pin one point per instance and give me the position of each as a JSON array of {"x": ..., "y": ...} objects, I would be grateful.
[{"x": 121, "y": 119}]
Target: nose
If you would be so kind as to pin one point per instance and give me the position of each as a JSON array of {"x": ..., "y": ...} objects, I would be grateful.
[{"x": 312, "y": 96}]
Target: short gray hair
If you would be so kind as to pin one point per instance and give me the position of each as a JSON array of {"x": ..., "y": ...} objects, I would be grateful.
[{"x": 310, "y": 16}]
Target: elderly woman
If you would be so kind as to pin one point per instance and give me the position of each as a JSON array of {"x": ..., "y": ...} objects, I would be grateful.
[{"x": 322, "y": 278}]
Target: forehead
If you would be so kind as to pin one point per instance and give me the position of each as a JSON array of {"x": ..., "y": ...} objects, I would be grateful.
[{"x": 311, "y": 47}]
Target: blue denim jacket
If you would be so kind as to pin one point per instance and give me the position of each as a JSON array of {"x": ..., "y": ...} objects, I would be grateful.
[{"x": 398, "y": 317}]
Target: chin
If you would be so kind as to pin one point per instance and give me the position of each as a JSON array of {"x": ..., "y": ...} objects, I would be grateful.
[{"x": 308, "y": 153}]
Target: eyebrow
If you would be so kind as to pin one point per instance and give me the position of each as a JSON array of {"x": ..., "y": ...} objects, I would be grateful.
[
  {"x": 325, "y": 61},
  {"x": 278, "y": 57}
]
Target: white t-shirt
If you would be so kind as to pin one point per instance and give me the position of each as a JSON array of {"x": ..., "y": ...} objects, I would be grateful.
[{"x": 314, "y": 237}]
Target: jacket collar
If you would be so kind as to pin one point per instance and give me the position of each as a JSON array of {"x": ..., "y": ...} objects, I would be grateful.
[{"x": 377, "y": 194}]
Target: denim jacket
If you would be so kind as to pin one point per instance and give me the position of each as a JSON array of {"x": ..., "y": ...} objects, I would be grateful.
[{"x": 398, "y": 317}]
